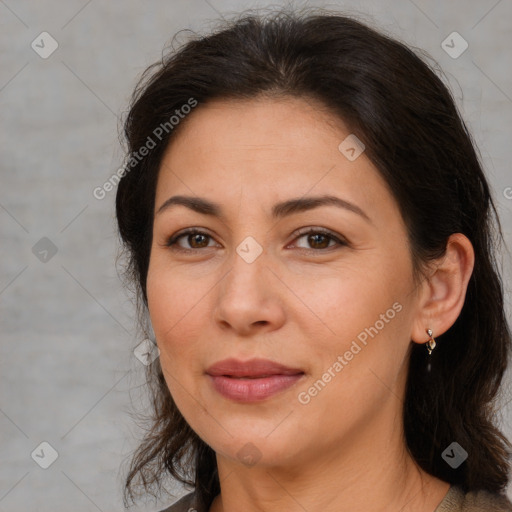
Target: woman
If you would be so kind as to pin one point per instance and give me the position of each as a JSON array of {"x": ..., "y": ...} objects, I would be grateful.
[{"x": 310, "y": 230}]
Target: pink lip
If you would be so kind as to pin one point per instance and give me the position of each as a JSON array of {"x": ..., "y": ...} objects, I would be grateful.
[
  {"x": 253, "y": 380},
  {"x": 251, "y": 368}
]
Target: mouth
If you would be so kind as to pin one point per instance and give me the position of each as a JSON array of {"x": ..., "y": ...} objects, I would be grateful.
[
  {"x": 247, "y": 377},
  {"x": 252, "y": 369},
  {"x": 252, "y": 381}
]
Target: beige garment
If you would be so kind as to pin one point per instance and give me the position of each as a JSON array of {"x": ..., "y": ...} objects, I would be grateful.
[{"x": 454, "y": 501}]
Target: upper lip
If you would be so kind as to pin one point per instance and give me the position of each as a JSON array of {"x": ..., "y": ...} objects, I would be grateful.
[{"x": 250, "y": 368}]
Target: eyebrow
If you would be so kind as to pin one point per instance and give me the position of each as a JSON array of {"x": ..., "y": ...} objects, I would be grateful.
[{"x": 279, "y": 210}]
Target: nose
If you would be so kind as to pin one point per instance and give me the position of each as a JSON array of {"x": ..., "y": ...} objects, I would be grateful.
[{"x": 250, "y": 298}]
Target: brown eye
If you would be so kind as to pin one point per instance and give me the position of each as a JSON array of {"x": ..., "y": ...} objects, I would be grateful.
[
  {"x": 320, "y": 240},
  {"x": 195, "y": 240},
  {"x": 317, "y": 240}
]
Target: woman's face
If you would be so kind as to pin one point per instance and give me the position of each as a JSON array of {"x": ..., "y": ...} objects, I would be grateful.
[{"x": 336, "y": 306}]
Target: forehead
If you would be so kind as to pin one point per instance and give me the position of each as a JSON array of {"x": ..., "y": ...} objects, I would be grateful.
[
  {"x": 261, "y": 123},
  {"x": 264, "y": 150}
]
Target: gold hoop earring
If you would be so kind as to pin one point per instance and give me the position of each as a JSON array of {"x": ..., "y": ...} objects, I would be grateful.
[{"x": 431, "y": 343}]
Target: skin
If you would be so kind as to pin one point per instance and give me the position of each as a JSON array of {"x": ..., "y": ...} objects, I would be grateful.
[{"x": 300, "y": 303}]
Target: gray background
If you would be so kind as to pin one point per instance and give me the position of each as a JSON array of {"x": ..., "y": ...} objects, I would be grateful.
[{"x": 68, "y": 375}]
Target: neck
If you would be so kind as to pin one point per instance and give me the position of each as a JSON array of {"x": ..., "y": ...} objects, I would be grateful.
[{"x": 369, "y": 472}]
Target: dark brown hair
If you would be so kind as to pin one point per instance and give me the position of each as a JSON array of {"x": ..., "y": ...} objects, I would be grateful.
[{"x": 398, "y": 106}]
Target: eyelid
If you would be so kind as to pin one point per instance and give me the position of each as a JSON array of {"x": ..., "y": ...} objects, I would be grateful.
[
  {"x": 340, "y": 240},
  {"x": 172, "y": 240},
  {"x": 317, "y": 229}
]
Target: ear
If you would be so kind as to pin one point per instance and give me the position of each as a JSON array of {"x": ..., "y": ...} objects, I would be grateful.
[{"x": 443, "y": 291}]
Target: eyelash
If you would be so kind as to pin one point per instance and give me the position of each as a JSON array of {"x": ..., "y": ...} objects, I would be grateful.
[{"x": 172, "y": 241}]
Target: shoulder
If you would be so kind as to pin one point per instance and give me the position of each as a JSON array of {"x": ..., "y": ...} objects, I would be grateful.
[
  {"x": 483, "y": 500},
  {"x": 474, "y": 501},
  {"x": 185, "y": 504}
]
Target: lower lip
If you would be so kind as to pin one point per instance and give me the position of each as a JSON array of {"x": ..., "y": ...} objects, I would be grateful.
[{"x": 253, "y": 390}]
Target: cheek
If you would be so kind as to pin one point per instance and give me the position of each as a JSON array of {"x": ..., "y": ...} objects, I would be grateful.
[
  {"x": 173, "y": 304},
  {"x": 362, "y": 317},
  {"x": 174, "y": 321},
  {"x": 347, "y": 302},
  {"x": 171, "y": 294}
]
